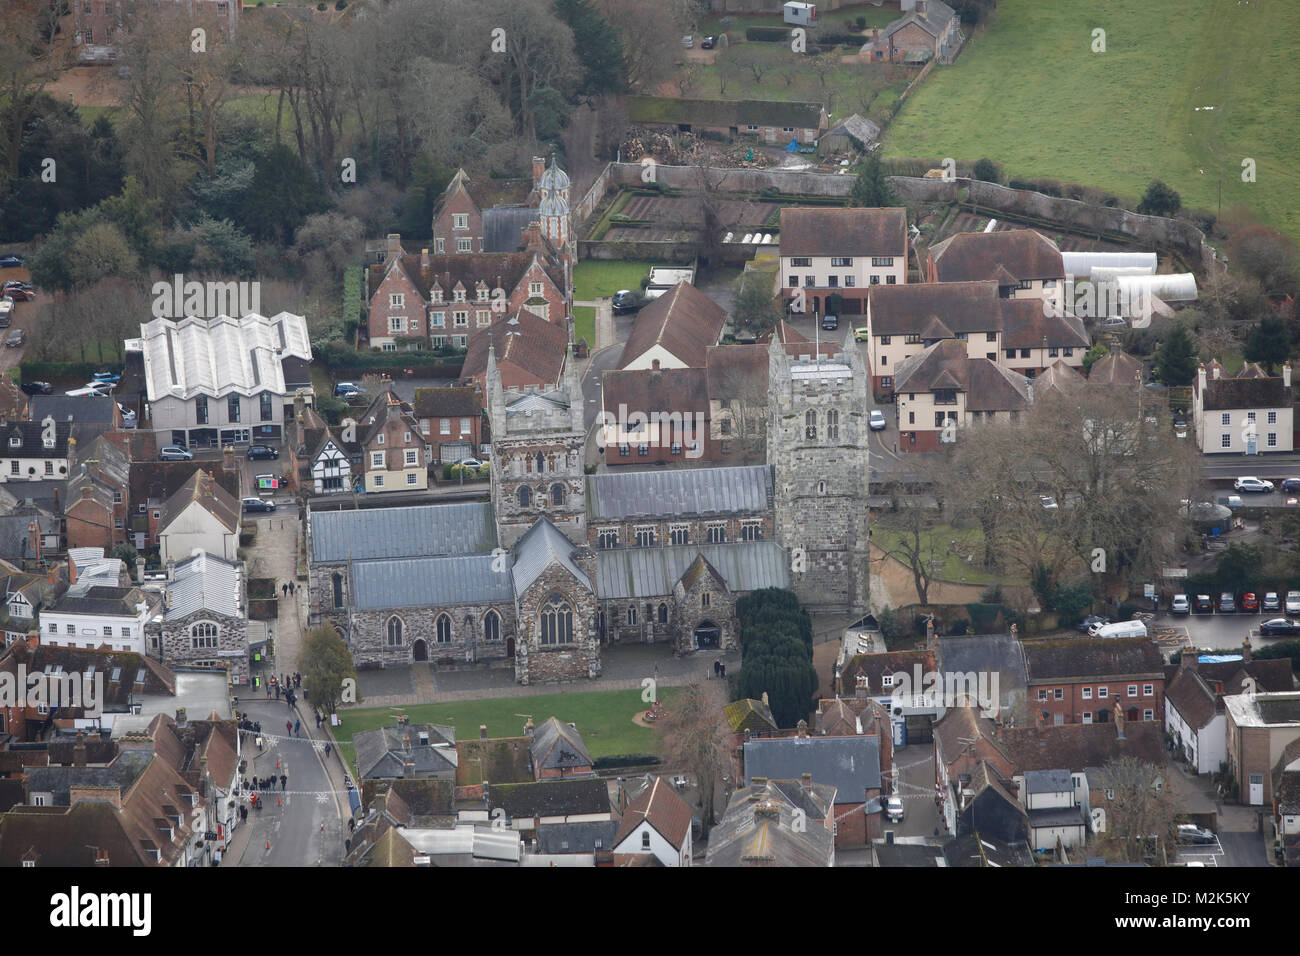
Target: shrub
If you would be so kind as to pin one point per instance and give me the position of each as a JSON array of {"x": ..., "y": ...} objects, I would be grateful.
[
  {"x": 617, "y": 761},
  {"x": 767, "y": 34},
  {"x": 986, "y": 170},
  {"x": 861, "y": 22}
]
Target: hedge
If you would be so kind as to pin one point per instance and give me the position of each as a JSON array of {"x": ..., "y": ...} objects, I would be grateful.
[
  {"x": 616, "y": 761},
  {"x": 34, "y": 371},
  {"x": 427, "y": 363},
  {"x": 767, "y": 34}
]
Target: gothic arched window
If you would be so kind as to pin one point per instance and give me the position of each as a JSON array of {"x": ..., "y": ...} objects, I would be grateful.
[
  {"x": 491, "y": 626},
  {"x": 557, "y": 494},
  {"x": 444, "y": 629},
  {"x": 810, "y": 424},
  {"x": 832, "y": 425},
  {"x": 394, "y": 631},
  {"x": 557, "y": 621},
  {"x": 525, "y": 496}
]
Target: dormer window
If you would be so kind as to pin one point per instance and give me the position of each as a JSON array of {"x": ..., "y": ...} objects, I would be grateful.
[
  {"x": 436, "y": 293},
  {"x": 15, "y": 441},
  {"x": 483, "y": 293},
  {"x": 460, "y": 295}
]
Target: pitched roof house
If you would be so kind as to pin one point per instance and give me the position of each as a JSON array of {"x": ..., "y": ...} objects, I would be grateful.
[
  {"x": 673, "y": 331},
  {"x": 1250, "y": 413},
  {"x": 529, "y": 351},
  {"x": 202, "y": 515},
  {"x": 928, "y": 29},
  {"x": 657, "y": 822},
  {"x": 1194, "y": 708},
  {"x": 759, "y": 827},
  {"x": 407, "y": 751}
]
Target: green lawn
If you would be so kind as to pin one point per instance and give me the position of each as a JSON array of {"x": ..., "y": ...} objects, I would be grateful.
[
  {"x": 604, "y": 719},
  {"x": 594, "y": 278},
  {"x": 1030, "y": 93},
  {"x": 948, "y": 567},
  {"x": 584, "y": 321}
]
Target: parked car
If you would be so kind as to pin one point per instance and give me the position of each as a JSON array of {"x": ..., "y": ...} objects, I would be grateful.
[
  {"x": 688, "y": 42},
  {"x": 1234, "y": 501},
  {"x": 1249, "y": 603},
  {"x": 1180, "y": 605},
  {"x": 1119, "y": 629},
  {"x": 1091, "y": 621},
  {"x": 1114, "y": 322},
  {"x": 1271, "y": 602},
  {"x": 19, "y": 294},
  {"x": 1280, "y": 625},
  {"x": 1291, "y": 484},
  {"x": 894, "y": 809},
  {"x": 128, "y": 416},
  {"x": 627, "y": 300},
  {"x": 1293, "y": 602},
  {"x": 708, "y": 43},
  {"x": 256, "y": 452},
  {"x": 1048, "y": 503},
  {"x": 1202, "y": 604},
  {"x": 1192, "y": 834},
  {"x": 6, "y": 312},
  {"x": 1252, "y": 484},
  {"x": 877, "y": 421},
  {"x": 16, "y": 284},
  {"x": 15, "y": 339},
  {"x": 92, "y": 389},
  {"x": 862, "y": 335},
  {"x": 37, "y": 388},
  {"x": 112, "y": 377},
  {"x": 1227, "y": 603},
  {"x": 11, "y": 261},
  {"x": 470, "y": 463},
  {"x": 175, "y": 453},
  {"x": 830, "y": 323},
  {"x": 258, "y": 504},
  {"x": 347, "y": 390}
]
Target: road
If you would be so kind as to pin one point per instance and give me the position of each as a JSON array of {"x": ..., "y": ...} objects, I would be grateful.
[{"x": 307, "y": 823}]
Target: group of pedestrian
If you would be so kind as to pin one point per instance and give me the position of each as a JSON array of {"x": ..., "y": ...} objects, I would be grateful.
[
  {"x": 253, "y": 726},
  {"x": 266, "y": 783},
  {"x": 286, "y": 589},
  {"x": 719, "y": 669}
]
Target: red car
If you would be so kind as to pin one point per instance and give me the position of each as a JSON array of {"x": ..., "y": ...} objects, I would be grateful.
[
  {"x": 18, "y": 294},
  {"x": 1249, "y": 603}
]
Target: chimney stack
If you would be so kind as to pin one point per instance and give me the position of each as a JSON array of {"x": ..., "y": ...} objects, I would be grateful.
[
  {"x": 139, "y": 569},
  {"x": 802, "y": 728},
  {"x": 539, "y": 167},
  {"x": 1218, "y": 370},
  {"x": 862, "y": 690},
  {"x": 79, "y": 750},
  {"x": 1286, "y": 374},
  {"x": 806, "y": 781},
  {"x": 424, "y": 258},
  {"x": 393, "y": 244},
  {"x": 528, "y": 729},
  {"x": 482, "y": 732},
  {"x": 171, "y": 569},
  {"x": 180, "y": 717}
]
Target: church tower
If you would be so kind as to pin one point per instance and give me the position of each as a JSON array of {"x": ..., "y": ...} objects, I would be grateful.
[
  {"x": 817, "y": 447},
  {"x": 537, "y": 455}
]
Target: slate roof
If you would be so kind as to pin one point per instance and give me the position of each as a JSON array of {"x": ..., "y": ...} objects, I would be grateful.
[
  {"x": 850, "y": 764},
  {"x": 1188, "y": 694},
  {"x": 1047, "y": 781},
  {"x": 382, "y": 753},
  {"x": 1056, "y": 817},
  {"x": 503, "y": 227},
  {"x": 557, "y": 746},
  {"x": 528, "y": 349},
  {"x": 14, "y": 537},
  {"x": 966, "y": 851},
  {"x": 1075, "y": 747},
  {"x": 31, "y": 434},
  {"x": 559, "y": 838},
  {"x": 683, "y": 320},
  {"x": 1023, "y": 253},
  {"x": 652, "y": 572},
  {"x": 1230, "y": 393},
  {"x": 875, "y": 666},
  {"x": 446, "y": 403},
  {"x": 441, "y": 581},
  {"x": 831, "y": 231},
  {"x": 203, "y": 489},
  {"x": 550, "y": 798},
  {"x": 84, "y": 409},
  {"x": 99, "y": 600},
  {"x": 660, "y": 807},
  {"x": 541, "y": 546},
  {"x": 917, "y": 855},
  {"x": 669, "y": 493},
  {"x": 407, "y": 800},
  {"x": 403, "y": 532},
  {"x": 1025, "y": 323},
  {"x": 962, "y": 307},
  {"x": 1087, "y": 658},
  {"x": 158, "y": 480},
  {"x": 987, "y": 653},
  {"x": 220, "y": 356},
  {"x": 205, "y": 582},
  {"x": 497, "y": 760},
  {"x": 762, "y": 833}
]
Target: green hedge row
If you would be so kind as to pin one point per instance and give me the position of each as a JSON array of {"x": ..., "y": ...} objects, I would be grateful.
[
  {"x": 34, "y": 371},
  {"x": 615, "y": 761},
  {"x": 341, "y": 358},
  {"x": 767, "y": 34}
]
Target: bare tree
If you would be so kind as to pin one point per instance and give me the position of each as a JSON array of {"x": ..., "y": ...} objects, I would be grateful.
[
  {"x": 909, "y": 539},
  {"x": 1139, "y": 816},
  {"x": 695, "y": 735}
]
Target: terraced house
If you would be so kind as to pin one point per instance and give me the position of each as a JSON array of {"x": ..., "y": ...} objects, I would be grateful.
[{"x": 770, "y": 121}]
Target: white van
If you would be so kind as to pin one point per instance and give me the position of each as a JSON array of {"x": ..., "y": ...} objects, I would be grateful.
[{"x": 1119, "y": 629}]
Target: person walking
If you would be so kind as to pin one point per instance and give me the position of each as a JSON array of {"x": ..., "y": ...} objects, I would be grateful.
[
  {"x": 288, "y": 726},
  {"x": 284, "y": 590},
  {"x": 277, "y": 691},
  {"x": 318, "y": 720},
  {"x": 268, "y": 691},
  {"x": 328, "y": 750},
  {"x": 297, "y": 728},
  {"x": 284, "y": 782}
]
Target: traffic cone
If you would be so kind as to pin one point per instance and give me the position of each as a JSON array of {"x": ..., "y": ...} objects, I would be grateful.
[
  {"x": 278, "y": 803},
  {"x": 268, "y": 844}
]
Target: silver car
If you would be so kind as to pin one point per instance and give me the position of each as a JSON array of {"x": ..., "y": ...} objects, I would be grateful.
[{"x": 1293, "y": 602}]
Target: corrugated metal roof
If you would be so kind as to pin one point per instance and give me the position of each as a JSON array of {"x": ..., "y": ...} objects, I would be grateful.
[
  {"x": 204, "y": 583},
  {"x": 664, "y": 493},
  {"x": 407, "y": 532},
  {"x": 542, "y": 545},
  {"x": 430, "y": 582},
  {"x": 227, "y": 354},
  {"x": 651, "y": 572}
]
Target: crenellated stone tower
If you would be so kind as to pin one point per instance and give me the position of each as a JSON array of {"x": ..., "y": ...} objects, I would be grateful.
[
  {"x": 537, "y": 457},
  {"x": 817, "y": 447}
]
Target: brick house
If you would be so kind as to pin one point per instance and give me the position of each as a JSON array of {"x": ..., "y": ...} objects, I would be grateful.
[
  {"x": 529, "y": 352},
  {"x": 927, "y": 30},
  {"x": 1194, "y": 712},
  {"x": 556, "y": 751},
  {"x": 488, "y": 215},
  {"x": 451, "y": 420},
  {"x": 1023, "y": 262},
  {"x": 1086, "y": 680},
  {"x": 840, "y": 252},
  {"x": 673, "y": 331},
  {"x": 1260, "y": 729},
  {"x": 395, "y": 455},
  {"x": 422, "y": 301},
  {"x": 98, "y": 502}
]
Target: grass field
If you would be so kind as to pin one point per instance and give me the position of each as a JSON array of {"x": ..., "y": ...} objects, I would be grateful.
[
  {"x": 1030, "y": 93},
  {"x": 584, "y": 322},
  {"x": 948, "y": 567},
  {"x": 594, "y": 278},
  {"x": 604, "y": 719}
]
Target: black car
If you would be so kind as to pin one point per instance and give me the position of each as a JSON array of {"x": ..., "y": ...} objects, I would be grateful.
[
  {"x": 256, "y": 452},
  {"x": 708, "y": 43},
  {"x": 37, "y": 388},
  {"x": 627, "y": 300},
  {"x": 1202, "y": 604},
  {"x": 1280, "y": 625},
  {"x": 258, "y": 504}
]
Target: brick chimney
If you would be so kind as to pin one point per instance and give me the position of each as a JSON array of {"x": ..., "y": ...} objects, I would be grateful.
[
  {"x": 33, "y": 539},
  {"x": 528, "y": 729},
  {"x": 806, "y": 782},
  {"x": 393, "y": 244},
  {"x": 79, "y": 750},
  {"x": 862, "y": 690},
  {"x": 532, "y": 237},
  {"x": 539, "y": 167},
  {"x": 181, "y": 719},
  {"x": 424, "y": 258},
  {"x": 802, "y": 728}
]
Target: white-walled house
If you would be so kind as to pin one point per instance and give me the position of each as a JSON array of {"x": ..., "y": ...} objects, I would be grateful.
[
  {"x": 829, "y": 251},
  {"x": 1250, "y": 413},
  {"x": 98, "y": 616},
  {"x": 1051, "y": 799},
  {"x": 1197, "y": 725},
  {"x": 35, "y": 451},
  {"x": 202, "y": 516},
  {"x": 657, "y": 822}
]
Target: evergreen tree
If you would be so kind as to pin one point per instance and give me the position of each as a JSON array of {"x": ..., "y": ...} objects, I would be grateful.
[
  {"x": 1269, "y": 343},
  {"x": 871, "y": 188},
  {"x": 1159, "y": 200},
  {"x": 1176, "y": 358},
  {"x": 599, "y": 46}
]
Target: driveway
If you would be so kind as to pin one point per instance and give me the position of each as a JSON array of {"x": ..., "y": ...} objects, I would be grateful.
[{"x": 921, "y": 817}]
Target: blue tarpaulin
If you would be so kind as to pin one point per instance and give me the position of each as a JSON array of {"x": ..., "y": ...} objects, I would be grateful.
[{"x": 1218, "y": 658}]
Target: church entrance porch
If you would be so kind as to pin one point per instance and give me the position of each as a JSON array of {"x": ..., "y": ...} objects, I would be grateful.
[
  {"x": 708, "y": 636},
  {"x": 419, "y": 651}
]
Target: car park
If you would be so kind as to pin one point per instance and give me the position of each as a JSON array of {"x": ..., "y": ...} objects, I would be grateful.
[
  {"x": 894, "y": 809},
  {"x": 37, "y": 388},
  {"x": 175, "y": 453},
  {"x": 1249, "y": 603},
  {"x": 1227, "y": 603},
  {"x": 1293, "y": 602},
  {"x": 1271, "y": 602},
  {"x": 15, "y": 339},
  {"x": 256, "y": 452},
  {"x": 1192, "y": 834},
  {"x": 1202, "y": 604},
  {"x": 1280, "y": 625},
  {"x": 1258, "y": 485},
  {"x": 877, "y": 421},
  {"x": 1180, "y": 605},
  {"x": 258, "y": 504}
]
